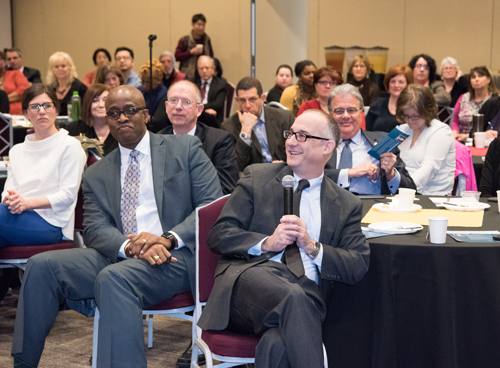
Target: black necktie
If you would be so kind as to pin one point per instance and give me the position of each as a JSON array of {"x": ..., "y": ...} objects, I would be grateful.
[
  {"x": 292, "y": 253},
  {"x": 346, "y": 155}
]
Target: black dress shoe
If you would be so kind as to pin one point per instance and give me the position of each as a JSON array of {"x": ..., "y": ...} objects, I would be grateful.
[{"x": 184, "y": 360}]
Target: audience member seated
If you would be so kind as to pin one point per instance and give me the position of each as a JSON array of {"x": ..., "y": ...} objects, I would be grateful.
[
  {"x": 451, "y": 75},
  {"x": 325, "y": 79},
  {"x": 490, "y": 175},
  {"x": 183, "y": 109},
  {"x": 124, "y": 58},
  {"x": 16, "y": 62},
  {"x": 359, "y": 74},
  {"x": 258, "y": 129},
  {"x": 424, "y": 73},
  {"x": 109, "y": 75},
  {"x": 170, "y": 75},
  {"x": 275, "y": 276},
  {"x": 44, "y": 174},
  {"x": 101, "y": 57},
  {"x": 140, "y": 248},
  {"x": 480, "y": 90},
  {"x": 4, "y": 102},
  {"x": 350, "y": 166},
  {"x": 284, "y": 76},
  {"x": 491, "y": 112},
  {"x": 296, "y": 94},
  {"x": 61, "y": 76},
  {"x": 429, "y": 151},
  {"x": 152, "y": 94},
  {"x": 14, "y": 83},
  {"x": 382, "y": 114},
  {"x": 190, "y": 47},
  {"x": 213, "y": 89},
  {"x": 93, "y": 123}
]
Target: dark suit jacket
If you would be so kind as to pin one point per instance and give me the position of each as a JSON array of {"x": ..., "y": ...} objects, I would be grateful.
[
  {"x": 32, "y": 75},
  {"x": 4, "y": 102},
  {"x": 183, "y": 178},
  {"x": 249, "y": 216},
  {"x": 219, "y": 147},
  {"x": 277, "y": 121},
  {"x": 216, "y": 95},
  {"x": 373, "y": 137}
]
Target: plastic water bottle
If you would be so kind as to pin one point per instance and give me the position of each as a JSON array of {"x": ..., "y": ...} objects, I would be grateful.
[{"x": 76, "y": 107}]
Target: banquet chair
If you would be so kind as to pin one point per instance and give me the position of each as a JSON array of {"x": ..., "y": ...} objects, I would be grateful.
[
  {"x": 445, "y": 114},
  {"x": 231, "y": 349},
  {"x": 228, "y": 103},
  {"x": 276, "y": 104}
]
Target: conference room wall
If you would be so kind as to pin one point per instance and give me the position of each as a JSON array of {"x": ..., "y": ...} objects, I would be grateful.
[
  {"x": 42, "y": 27},
  {"x": 458, "y": 28},
  {"x": 5, "y": 25}
]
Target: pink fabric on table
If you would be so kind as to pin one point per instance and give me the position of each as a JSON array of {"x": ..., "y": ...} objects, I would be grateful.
[{"x": 465, "y": 166}]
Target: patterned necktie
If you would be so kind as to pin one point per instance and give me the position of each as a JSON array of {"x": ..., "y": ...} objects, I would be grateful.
[
  {"x": 292, "y": 251},
  {"x": 346, "y": 155},
  {"x": 130, "y": 195},
  {"x": 203, "y": 90}
]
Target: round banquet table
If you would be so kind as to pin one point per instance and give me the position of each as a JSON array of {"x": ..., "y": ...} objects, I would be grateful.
[{"x": 420, "y": 304}]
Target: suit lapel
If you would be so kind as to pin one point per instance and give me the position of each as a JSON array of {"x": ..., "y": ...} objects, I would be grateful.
[
  {"x": 328, "y": 216},
  {"x": 158, "y": 152},
  {"x": 112, "y": 183},
  {"x": 371, "y": 140},
  {"x": 270, "y": 130}
]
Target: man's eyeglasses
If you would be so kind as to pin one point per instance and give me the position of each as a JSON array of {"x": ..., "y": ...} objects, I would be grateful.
[
  {"x": 129, "y": 112},
  {"x": 184, "y": 102},
  {"x": 301, "y": 137},
  {"x": 412, "y": 117},
  {"x": 243, "y": 101},
  {"x": 327, "y": 83},
  {"x": 47, "y": 106},
  {"x": 341, "y": 110},
  {"x": 422, "y": 66},
  {"x": 123, "y": 58}
]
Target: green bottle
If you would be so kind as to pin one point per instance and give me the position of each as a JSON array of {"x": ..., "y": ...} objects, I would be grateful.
[{"x": 76, "y": 107}]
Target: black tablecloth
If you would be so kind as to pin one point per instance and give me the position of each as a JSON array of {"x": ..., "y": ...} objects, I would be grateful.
[{"x": 420, "y": 304}]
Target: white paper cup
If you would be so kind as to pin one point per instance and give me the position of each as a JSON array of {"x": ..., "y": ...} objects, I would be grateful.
[
  {"x": 201, "y": 48},
  {"x": 406, "y": 198},
  {"x": 437, "y": 229},
  {"x": 479, "y": 139},
  {"x": 498, "y": 199}
]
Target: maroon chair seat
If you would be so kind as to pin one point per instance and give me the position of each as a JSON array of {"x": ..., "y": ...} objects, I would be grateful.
[
  {"x": 182, "y": 300},
  {"x": 23, "y": 252},
  {"x": 226, "y": 343}
]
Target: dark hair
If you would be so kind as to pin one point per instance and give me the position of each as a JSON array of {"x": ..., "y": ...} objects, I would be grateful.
[
  {"x": 15, "y": 49},
  {"x": 118, "y": 49},
  {"x": 284, "y": 66},
  {"x": 198, "y": 17},
  {"x": 328, "y": 71},
  {"x": 94, "y": 91},
  {"x": 301, "y": 65},
  {"x": 248, "y": 83},
  {"x": 94, "y": 57},
  {"x": 396, "y": 70},
  {"x": 420, "y": 98},
  {"x": 104, "y": 70},
  {"x": 430, "y": 62},
  {"x": 483, "y": 71},
  {"x": 218, "y": 67},
  {"x": 38, "y": 89}
]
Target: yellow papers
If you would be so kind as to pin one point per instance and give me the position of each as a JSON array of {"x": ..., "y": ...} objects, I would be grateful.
[{"x": 455, "y": 218}]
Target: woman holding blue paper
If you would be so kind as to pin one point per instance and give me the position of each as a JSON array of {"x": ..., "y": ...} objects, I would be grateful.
[{"x": 429, "y": 151}]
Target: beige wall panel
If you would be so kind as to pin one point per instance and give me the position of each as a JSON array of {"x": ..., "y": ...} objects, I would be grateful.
[
  {"x": 365, "y": 23},
  {"x": 495, "y": 40},
  {"x": 5, "y": 25},
  {"x": 281, "y": 37},
  {"x": 456, "y": 28}
]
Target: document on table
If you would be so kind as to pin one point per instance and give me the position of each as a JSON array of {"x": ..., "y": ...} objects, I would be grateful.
[{"x": 474, "y": 236}]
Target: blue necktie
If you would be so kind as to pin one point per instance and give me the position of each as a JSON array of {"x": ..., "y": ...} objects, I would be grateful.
[{"x": 346, "y": 155}]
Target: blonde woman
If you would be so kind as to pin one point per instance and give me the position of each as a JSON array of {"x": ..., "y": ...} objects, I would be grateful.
[{"x": 62, "y": 77}]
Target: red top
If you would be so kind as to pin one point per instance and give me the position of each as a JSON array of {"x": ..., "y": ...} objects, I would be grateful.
[
  {"x": 183, "y": 54},
  {"x": 309, "y": 105},
  {"x": 15, "y": 81}
]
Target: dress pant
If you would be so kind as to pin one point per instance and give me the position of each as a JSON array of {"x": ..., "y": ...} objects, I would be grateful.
[
  {"x": 286, "y": 310},
  {"x": 121, "y": 290}
]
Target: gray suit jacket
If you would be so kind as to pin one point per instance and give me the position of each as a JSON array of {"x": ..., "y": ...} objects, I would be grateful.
[
  {"x": 277, "y": 121},
  {"x": 183, "y": 178},
  {"x": 373, "y": 137},
  {"x": 249, "y": 216}
]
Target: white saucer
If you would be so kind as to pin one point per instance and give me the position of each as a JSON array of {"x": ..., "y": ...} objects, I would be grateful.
[
  {"x": 385, "y": 207},
  {"x": 469, "y": 207},
  {"x": 392, "y": 227}
]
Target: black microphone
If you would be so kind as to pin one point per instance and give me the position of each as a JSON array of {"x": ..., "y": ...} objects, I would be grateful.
[
  {"x": 288, "y": 182},
  {"x": 152, "y": 37}
]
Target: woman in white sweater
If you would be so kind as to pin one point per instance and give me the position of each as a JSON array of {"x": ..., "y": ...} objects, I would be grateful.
[
  {"x": 44, "y": 176},
  {"x": 429, "y": 151}
]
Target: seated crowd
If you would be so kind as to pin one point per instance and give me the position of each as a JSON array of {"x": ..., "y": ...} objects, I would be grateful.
[{"x": 168, "y": 146}]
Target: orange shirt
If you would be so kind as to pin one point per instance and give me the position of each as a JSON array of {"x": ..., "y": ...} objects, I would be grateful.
[{"x": 15, "y": 81}]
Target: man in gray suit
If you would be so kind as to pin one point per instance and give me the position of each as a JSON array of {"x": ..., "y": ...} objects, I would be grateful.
[
  {"x": 254, "y": 291},
  {"x": 139, "y": 204},
  {"x": 258, "y": 130}
]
